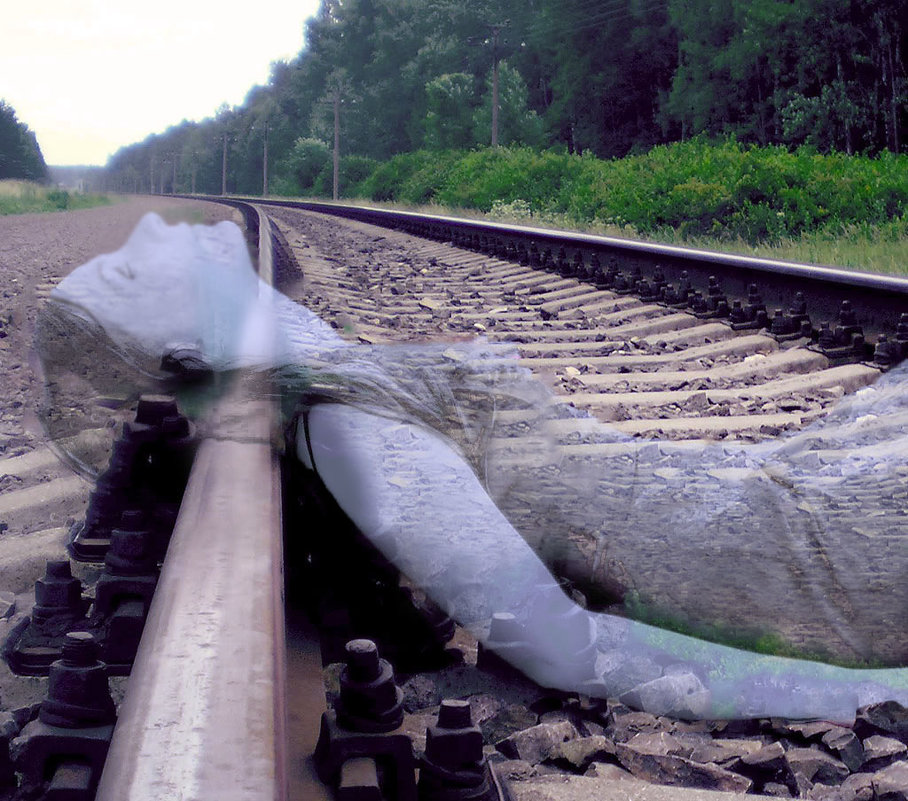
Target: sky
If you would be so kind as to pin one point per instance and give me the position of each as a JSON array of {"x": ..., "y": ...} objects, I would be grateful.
[{"x": 89, "y": 76}]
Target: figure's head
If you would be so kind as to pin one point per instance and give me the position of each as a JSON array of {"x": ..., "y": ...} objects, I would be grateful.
[
  {"x": 120, "y": 325},
  {"x": 191, "y": 286}
]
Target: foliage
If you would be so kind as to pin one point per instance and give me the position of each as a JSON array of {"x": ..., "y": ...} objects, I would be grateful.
[
  {"x": 20, "y": 197},
  {"x": 823, "y": 72},
  {"x": 304, "y": 163},
  {"x": 20, "y": 155},
  {"x": 412, "y": 177},
  {"x": 449, "y": 111},
  {"x": 726, "y": 189},
  {"x": 351, "y": 173},
  {"x": 517, "y": 124},
  {"x": 606, "y": 80}
]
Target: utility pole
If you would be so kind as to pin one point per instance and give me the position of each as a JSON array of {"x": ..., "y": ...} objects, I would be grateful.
[
  {"x": 224, "y": 168},
  {"x": 151, "y": 175},
  {"x": 337, "y": 90},
  {"x": 173, "y": 185},
  {"x": 496, "y": 31},
  {"x": 494, "y": 39},
  {"x": 337, "y": 101},
  {"x": 265, "y": 166}
]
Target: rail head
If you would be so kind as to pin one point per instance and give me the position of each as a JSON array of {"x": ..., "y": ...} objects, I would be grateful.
[{"x": 204, "y": 715}]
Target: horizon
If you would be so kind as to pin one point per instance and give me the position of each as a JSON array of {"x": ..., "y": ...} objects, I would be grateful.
[{"x": 92, "y": 79}]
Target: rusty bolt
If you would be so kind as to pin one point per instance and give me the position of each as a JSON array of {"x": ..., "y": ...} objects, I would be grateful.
[
  {"x": 58, "y": 591},
  {"x": 369, "y": 700},
  {"x": 78, "y": 695},
  {"x": 454, "y": 742}
]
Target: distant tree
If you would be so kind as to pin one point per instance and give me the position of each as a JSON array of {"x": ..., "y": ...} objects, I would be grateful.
[
  {"x": 596, "y": 72},
  {"x": 517, "y": 124},
  {"x": 450, "y": 100},
  {"x": 831, "y": 73},
  {"x": 20, "y": 155},
  {"x": 307, "y": 159}
]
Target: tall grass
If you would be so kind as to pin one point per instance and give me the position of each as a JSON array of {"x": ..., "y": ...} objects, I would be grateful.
[
  {"x": 21, "y": 197},
  {"x": 879, "y": 248}
]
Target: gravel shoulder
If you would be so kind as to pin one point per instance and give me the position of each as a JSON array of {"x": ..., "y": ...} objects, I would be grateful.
[{"x": 37, "y": 250}]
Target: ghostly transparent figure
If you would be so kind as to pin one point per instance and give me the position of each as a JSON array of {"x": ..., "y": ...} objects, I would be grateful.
[{"x": 436, "y": 452}]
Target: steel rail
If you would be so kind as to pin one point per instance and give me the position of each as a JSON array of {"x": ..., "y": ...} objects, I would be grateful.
[
  {"x": 205, "y": 713},
  {"x": 878, "y": 300}
]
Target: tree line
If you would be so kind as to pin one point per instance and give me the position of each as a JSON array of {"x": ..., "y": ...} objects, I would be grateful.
[
  {"x": 20, "y": 155},
  {"x": 603, "y": 77}
]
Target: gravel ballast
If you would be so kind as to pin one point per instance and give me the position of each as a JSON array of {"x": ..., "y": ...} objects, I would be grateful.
[{"x": 603, "y": 740}]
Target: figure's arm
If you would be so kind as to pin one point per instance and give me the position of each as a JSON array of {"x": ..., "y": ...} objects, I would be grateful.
[{"x": 402, "y": 483}]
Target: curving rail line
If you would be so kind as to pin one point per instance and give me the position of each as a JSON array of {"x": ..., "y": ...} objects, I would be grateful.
[{"x": 206, "y": 712}]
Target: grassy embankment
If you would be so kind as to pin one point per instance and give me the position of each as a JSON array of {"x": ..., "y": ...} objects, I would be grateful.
[
  {"x": 848, "y": 211},
  {"x": 20, "y": 197}
]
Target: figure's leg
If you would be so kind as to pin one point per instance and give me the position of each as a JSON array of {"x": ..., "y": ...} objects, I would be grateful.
[{"x": 410, "y": 488}]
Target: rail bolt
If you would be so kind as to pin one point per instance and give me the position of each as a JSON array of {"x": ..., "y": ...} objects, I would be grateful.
[
  {"x": 78, "y": 695},
  {"x": 123, "y": 596},
  {"x": 58, "y": 595},
  {"x": 153, "y": 409},
  {"x": 454, "y": 742},
  {"x": 506, "y": 649},
  {"x": 799, "y": 307},
  {"x": 681, "y": 296},
  {"x": 130, "y": 553},
  {"x": 367, "y": 723},
  {"x": 69, "y": 740},
  {"x": 453, "y": 767},
  {"x": 782, "y": 324},
  {"x": 58, "y": 589},
  {"x": 565, "y": 632},
  {"x": 105, "y": 505},
  {"x": 847, "y": 317},
  {"x": 369, "y": 700},
  {"x": 118, "y": 475},
  {"x": 886, "y": 353},
  {"x": 826, "y": 339}
]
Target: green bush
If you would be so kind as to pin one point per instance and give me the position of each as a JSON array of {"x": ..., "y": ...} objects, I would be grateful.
[
  {"x": 59, "y": 198},
  {"x": 723, "y": 189},
  {"x": 302, "y": 166},
  {"x": 411, "y": 177},
  {"x": 352, "y": 171}
]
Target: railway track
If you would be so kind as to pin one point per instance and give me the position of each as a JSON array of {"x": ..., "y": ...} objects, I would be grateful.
[
  {"x": 629, "y": 360},
  {"x": 206, "y": 715},
  {"x": 639, "y": 364}
]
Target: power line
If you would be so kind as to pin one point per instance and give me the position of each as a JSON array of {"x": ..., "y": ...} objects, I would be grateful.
[
  {"x": 609, "y": 14},
  {"x": 580, "y": 22}
]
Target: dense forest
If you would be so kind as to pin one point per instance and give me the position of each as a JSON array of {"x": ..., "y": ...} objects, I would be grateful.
[
  {"x": 600, "y": 77},
  {"x": 20, "y": 155}
]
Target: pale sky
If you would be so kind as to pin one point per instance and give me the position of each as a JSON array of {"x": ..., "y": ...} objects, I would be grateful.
[{"x": 88, "y": 76}]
